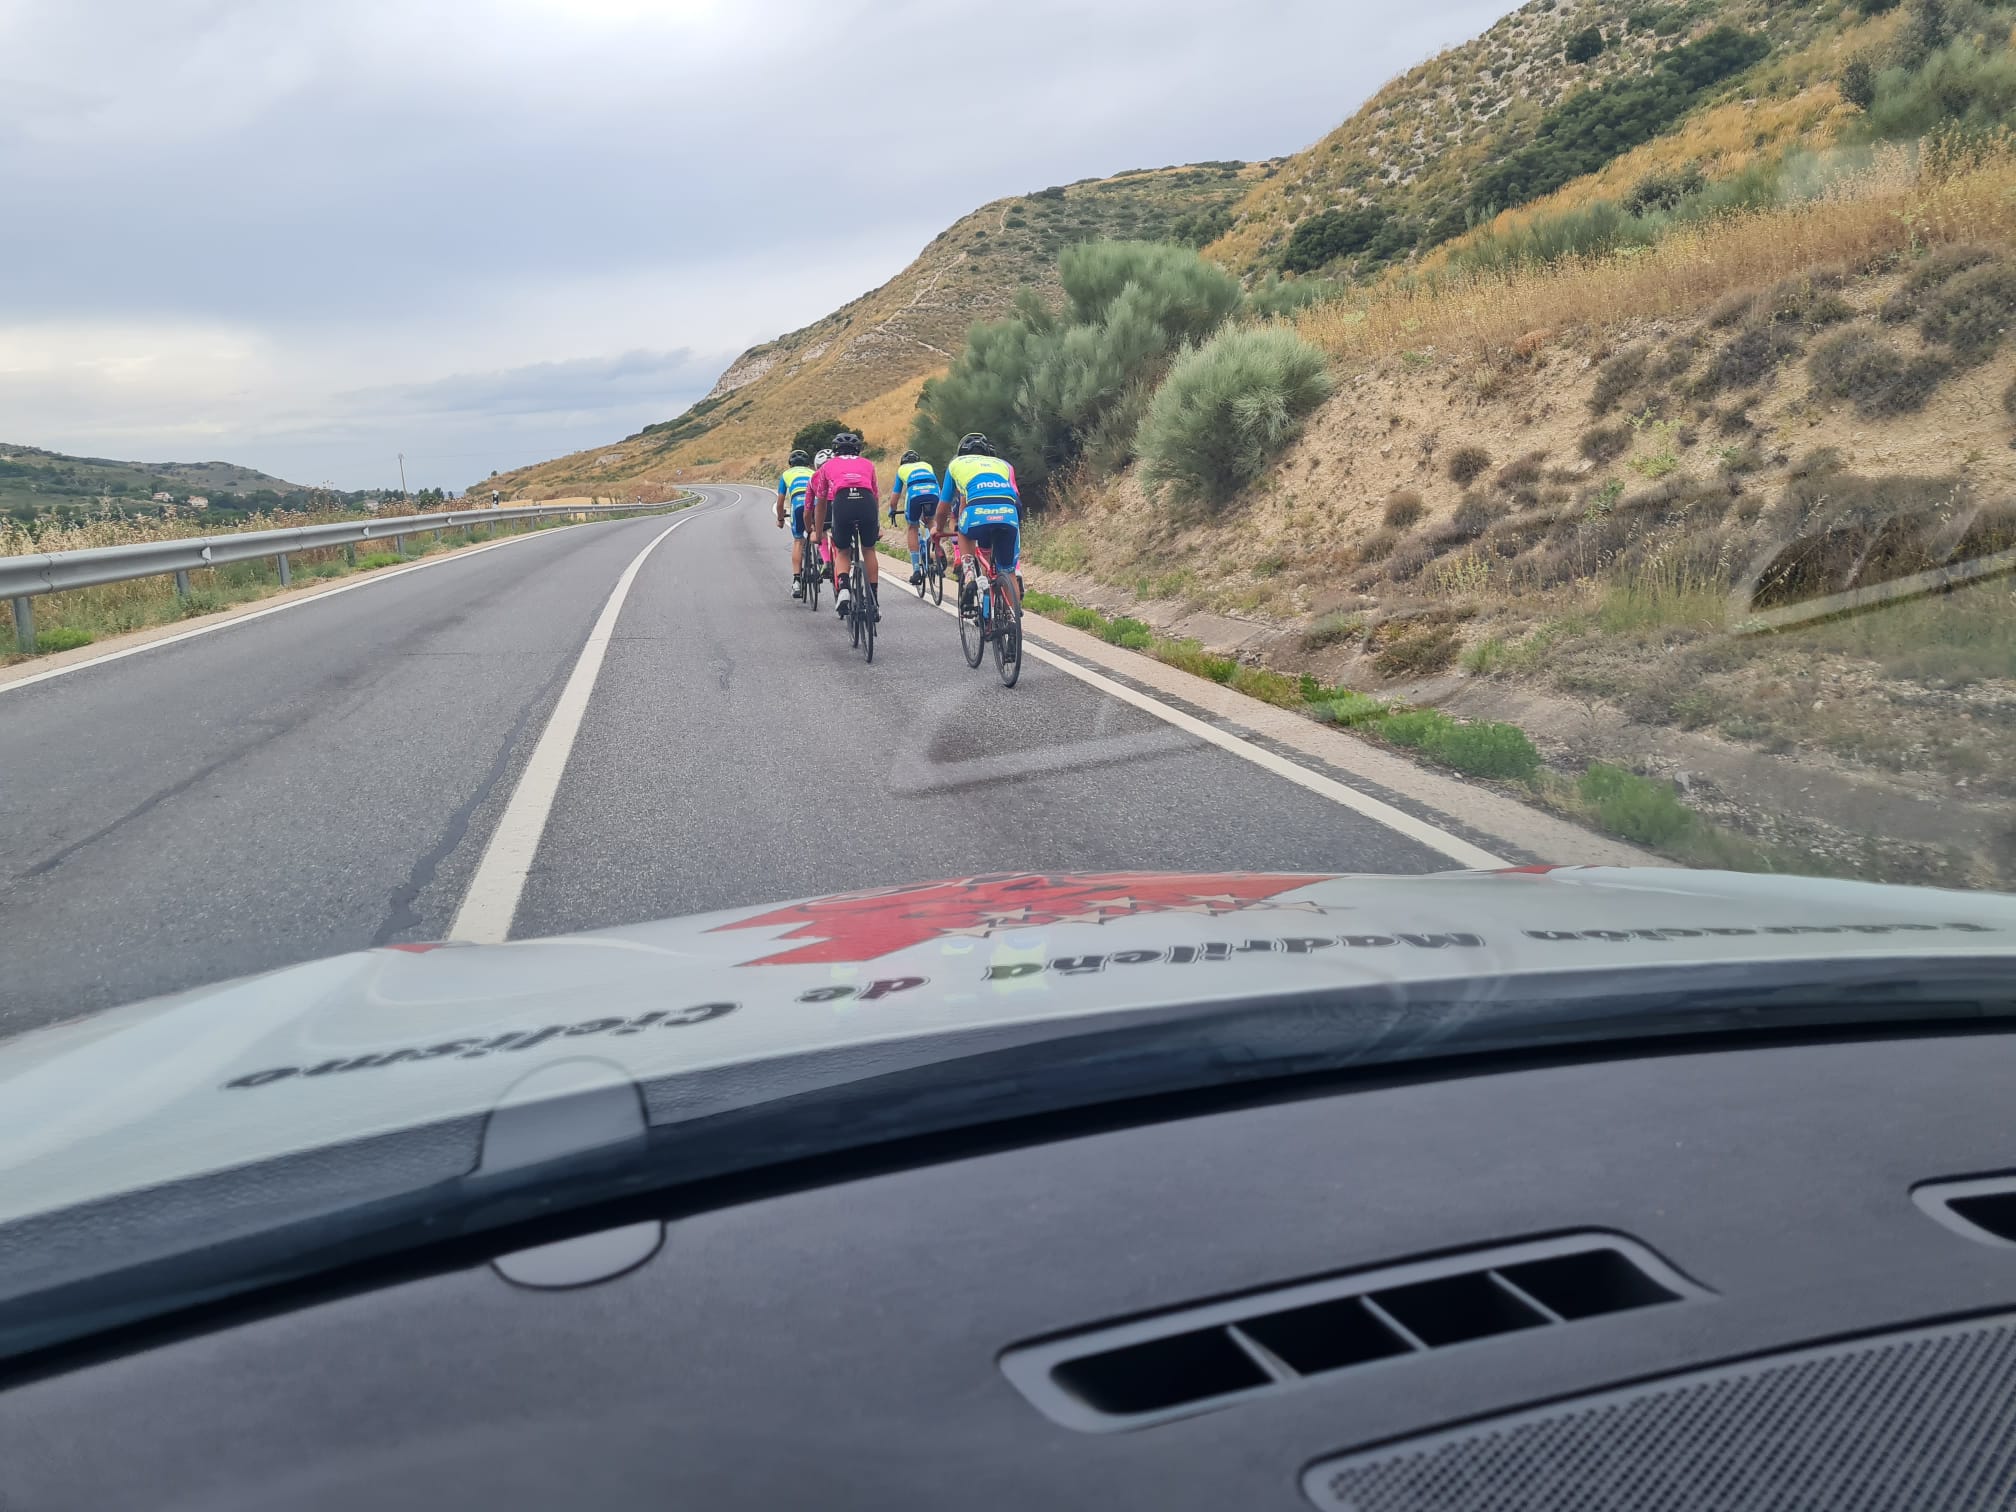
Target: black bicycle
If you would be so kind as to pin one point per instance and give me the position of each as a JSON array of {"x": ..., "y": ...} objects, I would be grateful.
[
  {"x": 935, "y": 567},
  {"x": 860, "y": 607},
  {"x": 810, "y": 571},
  {"x": 987, "y": 618}
]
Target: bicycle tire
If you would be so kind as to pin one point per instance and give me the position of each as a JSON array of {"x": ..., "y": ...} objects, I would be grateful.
[
  {"x": 812, "y": 576},
  {"x": 854, "y": 605},
  {"x": 1007, "y": 638},
  {"x": 868, "y": 606},
  {"x": 972, "y": 645},
  {"x": 936, "y": 574}
]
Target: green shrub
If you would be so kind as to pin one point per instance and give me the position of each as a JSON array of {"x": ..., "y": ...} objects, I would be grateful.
[
  {"x": 377, "y": 559},
  {"x": 1403, "y": 508},
  {"x": 1811, "y": 299},
  {"x": 199, "y": 601},
  {"x": 1129, "y": 632},
  {"x": 1038, "y": 602},
  {"x": 1354, "y": 709},
  {"x": 816, "y": 435},
  {"x": 1276, "y": 298},
  {"x": 1749, "y": 358},
  {"x": 1860, "y": 365},
  {"x": 1484, "y": 658},
  {"x": 1858, "y": 83},
  {"x": 1584, "y": 45},
  {"x": 1227, "y": 408},
  {"x": 1663, "y": 191},
  {"x": 62, "y": 638},
  {"x": 1485, "y": 749},
  {"x": 1079, "y": 618},
  {"x": 1319, "y": 240},
  {"x": 1466, "y": 464},
  {"x": 1955, "y": 84},
  {"x": 1045, "y": 388},
  {"x": 1633, "y": 806},
  {"x": 1415, "y": 728}
]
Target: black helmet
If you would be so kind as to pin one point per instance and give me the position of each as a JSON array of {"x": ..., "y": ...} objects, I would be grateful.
[
  {"x": 847, "y": 444},
  {"x": 973, "y": 444},
  {"x": 799, "y": 457},
  {"x": 908, "y": 456}
]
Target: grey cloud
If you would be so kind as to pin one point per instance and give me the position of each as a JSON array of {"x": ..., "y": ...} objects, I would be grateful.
[{"x": 419, "y": 174}]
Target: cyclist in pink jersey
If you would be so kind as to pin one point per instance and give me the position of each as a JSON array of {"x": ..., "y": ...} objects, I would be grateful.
[{"x": 842, "y": 497}]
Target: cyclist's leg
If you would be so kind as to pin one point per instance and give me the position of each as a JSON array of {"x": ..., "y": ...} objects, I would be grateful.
[
  {"x": 1008, "y": 561},
  {"x": 868, "y": 526}
]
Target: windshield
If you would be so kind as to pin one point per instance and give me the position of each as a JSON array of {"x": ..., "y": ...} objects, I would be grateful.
[{"x": 1522, "y": 508}]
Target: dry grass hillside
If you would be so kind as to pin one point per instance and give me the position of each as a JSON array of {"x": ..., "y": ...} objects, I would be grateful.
[
  {"x": 1563, "y": 496},
  {"x": 866, "y": 361},
  {"x": 1416, "y": 149}
]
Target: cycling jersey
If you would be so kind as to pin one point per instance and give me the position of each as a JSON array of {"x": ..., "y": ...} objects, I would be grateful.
[
  {"x": 971, "y": 480},
  {"x": 990, "y": 510},
  {"x": 792, "y": 483},
  {"x": 917, "y": 480},
  {"x": 848, "y": 486}
]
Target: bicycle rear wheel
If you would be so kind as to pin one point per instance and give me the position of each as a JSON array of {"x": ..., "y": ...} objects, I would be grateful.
[
  {"x": 972, "y": 643},
  {"x": 867, "y": 613},
  {"x": 1007, "y": 638},
  {"x": 854, "y": 597},
  {"x": 936, "y": 572},
  {"x": 812, "y": 574}
]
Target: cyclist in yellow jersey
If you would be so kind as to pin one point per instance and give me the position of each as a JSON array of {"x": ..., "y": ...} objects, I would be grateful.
[
  {"x": 980, "y": 491},
  {"x": 791, "y": 485}
]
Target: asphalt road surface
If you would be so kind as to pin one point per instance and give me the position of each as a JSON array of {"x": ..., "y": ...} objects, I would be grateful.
[{"x": 332, "y": 776}]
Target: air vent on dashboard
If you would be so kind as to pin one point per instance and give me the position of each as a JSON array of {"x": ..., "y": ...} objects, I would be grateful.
[
  {"x": 1983, "y": 1209},
  {"x": 1197, "y": 1359}
]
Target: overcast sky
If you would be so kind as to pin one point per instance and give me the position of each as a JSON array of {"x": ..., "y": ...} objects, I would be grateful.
[{"x": 307, "y": 235}]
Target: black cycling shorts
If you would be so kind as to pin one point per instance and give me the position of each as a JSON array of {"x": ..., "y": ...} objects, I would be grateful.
[{"x": 851, "y": 513}]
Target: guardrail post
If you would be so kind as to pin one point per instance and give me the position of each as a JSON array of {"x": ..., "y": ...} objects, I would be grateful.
[
  {"x": 181, "y": 582},
  {"x": 286, "y": 577},
  {"x": 399, "y": 544},
  {"x": 24, "y": 624}
]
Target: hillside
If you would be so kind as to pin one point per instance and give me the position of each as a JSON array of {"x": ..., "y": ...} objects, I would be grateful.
[
  {"x": 882, "y": 346},
  {"x": 34, "y": 481},
  {"x": 1550, "y": 92}
]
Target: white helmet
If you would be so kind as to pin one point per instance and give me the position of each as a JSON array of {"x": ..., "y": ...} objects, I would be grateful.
[{"x": 822, "y": 459}]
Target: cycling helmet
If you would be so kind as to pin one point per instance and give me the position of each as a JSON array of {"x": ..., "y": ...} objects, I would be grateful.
[
  {"x": 847, "y": 444},
  {"x": 799, "y": 458},
  {"x": 908, "y": 456},
  {"x": 822, "y": 459},
  {"x": 973, "y": 444}
]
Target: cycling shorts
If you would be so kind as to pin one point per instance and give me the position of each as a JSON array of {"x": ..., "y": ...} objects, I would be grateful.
[
  {"x": 917, "y": 508},
  {"x": 851, "y": 513},
  {"x": 798, "y": 521},
  {"x": 1001, "y": 540}
]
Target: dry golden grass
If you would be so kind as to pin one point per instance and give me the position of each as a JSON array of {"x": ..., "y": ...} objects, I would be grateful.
[{"x": 1883, "y": 210}]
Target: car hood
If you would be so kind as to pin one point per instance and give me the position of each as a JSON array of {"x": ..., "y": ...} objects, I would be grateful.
[{"x": 344, "y": 1048}]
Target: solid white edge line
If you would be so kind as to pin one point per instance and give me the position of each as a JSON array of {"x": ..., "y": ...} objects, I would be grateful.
[
  {"x": 381, "y": 576},
  {"x": 491, "y": 901},
  {"x": 1418, "y": 830}
]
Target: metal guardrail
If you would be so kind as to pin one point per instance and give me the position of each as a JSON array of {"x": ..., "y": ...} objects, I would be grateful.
[{"x": 22, "y": 577}]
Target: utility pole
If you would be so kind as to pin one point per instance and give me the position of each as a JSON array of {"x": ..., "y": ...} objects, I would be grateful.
[{"x": 402, "y": 477}]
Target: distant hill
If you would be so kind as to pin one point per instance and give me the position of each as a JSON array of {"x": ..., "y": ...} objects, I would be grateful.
[
  {"x": 35, "y": 481},
  {"x": 866, "y": 360}
]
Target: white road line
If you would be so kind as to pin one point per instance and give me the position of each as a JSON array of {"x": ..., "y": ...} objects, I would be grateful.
[
  {"x": 1462, "y": 852},
  {"x": 381, "y": 576},
  {"x": 492, "y": 899}
]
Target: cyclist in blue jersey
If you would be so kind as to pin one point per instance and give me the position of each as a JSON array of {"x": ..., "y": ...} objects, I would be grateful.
[
  {"x": 980, "y": 491},
  {"x": 916, "y": 489},
  {"x": 791, "y": 485}
]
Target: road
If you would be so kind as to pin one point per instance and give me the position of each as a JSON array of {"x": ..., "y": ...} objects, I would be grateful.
[{"x": 332, "y": 777}]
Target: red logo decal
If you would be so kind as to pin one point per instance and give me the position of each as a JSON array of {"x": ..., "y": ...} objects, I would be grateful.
[{"x": 861, "y": 926}]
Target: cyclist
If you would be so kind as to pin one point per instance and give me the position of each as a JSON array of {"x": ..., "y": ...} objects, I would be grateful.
[
  {"x": 980, "y": 490},
  {"x": 916, "y": 489},
  {"x": 842, "y": 495},
  {"x": 791, "y": 486}
]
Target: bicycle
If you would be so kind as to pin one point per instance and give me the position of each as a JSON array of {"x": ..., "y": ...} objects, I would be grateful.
[
  {"x": 810, "y": 572},
  {"x": 986, "y": 617},
  {"x": 935, "y": 567},
  {"x": 860, "y": 607}
]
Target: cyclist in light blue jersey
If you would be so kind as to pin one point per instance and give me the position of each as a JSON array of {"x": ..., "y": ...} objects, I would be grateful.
[{"x": 916, "y": 489}]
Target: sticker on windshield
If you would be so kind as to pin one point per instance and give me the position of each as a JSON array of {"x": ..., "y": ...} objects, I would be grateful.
[{"x": 861, "y": 926}]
